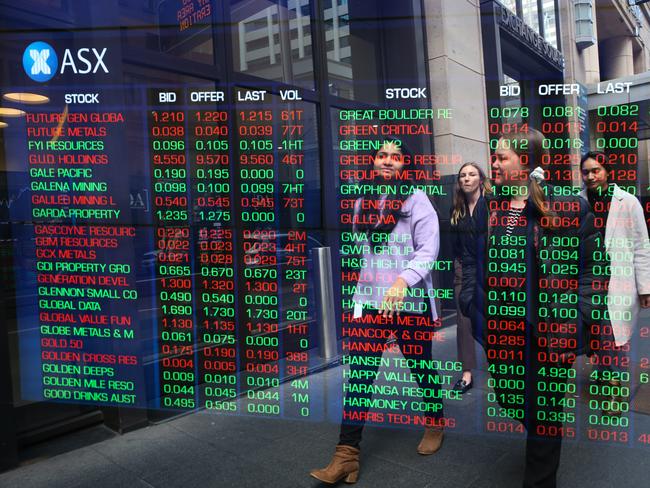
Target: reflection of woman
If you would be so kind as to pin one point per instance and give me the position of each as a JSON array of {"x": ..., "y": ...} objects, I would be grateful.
[
  {"x": 626, "y": 240},
  {"x": 469, "y": 210},
  {"x": 399, "y": 231},
  {"x": 539, "y": 263},
  {"x": 620, "y": 217}
]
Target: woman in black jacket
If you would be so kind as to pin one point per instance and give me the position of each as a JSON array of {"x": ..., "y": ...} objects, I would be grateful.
[
  {"x": 528, "y": 293},
  {"x": 468, "y": 212}
]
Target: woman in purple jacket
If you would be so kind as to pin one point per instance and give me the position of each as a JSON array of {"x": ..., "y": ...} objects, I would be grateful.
[{"x": 397, "y": 228}]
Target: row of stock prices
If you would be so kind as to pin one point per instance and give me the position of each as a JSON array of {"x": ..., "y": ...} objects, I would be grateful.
[{"x": 165, "y": 249}]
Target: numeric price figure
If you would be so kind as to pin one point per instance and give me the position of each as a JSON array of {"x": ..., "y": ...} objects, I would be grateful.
[
  {"x": 173, "y": 265},
  {"x": 642, "y": 435},
  {"x": 562, "y": 127},
  {"x": 608, "y": 412},
  {"x": 210, "y": 162},
  {"x": 616, "y": 136},
  {"x": 506, "y": 332},
  {"x": 261, "y": 349},
  {"x": 609, "y": 406},
  {"x": 257, "y": 171},
  {"x": 219, "y": 354},
  {"x": 557, "y": 330},
  {"x": 504, "y": 121}
]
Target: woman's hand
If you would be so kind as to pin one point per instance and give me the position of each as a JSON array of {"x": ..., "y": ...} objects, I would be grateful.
[{"x": 393, "y": 298}]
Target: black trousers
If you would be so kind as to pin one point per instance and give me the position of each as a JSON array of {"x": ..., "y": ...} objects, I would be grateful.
[
  {"x": 413, "y": 338},
  {"x": 464, "y": 339},
  {"x": 527, "y": 387}
]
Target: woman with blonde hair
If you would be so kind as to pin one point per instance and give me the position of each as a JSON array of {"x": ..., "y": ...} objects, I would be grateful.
[{"x": 469, "y": 211}]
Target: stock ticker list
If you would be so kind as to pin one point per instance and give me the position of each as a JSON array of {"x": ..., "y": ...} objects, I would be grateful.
[
  {"x": 86, "y": 288},
  {"x": 166, "y": 260},
  {"x": 202, "y": 299},
  {"x": 382, "y": 384}
]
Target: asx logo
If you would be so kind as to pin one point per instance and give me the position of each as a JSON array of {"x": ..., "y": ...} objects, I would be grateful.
[{"x": 41, "y": 62}]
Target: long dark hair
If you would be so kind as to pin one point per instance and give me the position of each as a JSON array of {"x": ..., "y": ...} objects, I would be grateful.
[
  {"x": 459, "y": 209},
  {"x": 601, "y": 158},
  {"x": 370, "y": 207}
]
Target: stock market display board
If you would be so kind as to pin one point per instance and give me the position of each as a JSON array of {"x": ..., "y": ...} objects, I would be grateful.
[
  {"x": 194, "y": 285},
  {"x": 162, "y": 249}
]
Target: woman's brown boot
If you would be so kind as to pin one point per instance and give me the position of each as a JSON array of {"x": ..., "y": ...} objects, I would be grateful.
[
  {"x": 344, "y": 464},
  {"x": 431, "y": 441}
]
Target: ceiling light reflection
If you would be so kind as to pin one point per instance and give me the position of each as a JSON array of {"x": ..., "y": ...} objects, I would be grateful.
[
  {"x": 28, "y": 98},
  {"x": 11, "y": 112}
]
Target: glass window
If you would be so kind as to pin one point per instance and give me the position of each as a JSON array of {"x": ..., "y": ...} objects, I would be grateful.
[
  {"x": 365, "y": 42},
  {"x": 530, "y": 11},
  {"x": 56, "y": 9},
  {"x": 272, "y": 41},
  {"x": 510, "y": 4},
  {"x": 182, "y": 30},
  {"x": 337, "y": 38},
  {"x": 550, "y": 30}
]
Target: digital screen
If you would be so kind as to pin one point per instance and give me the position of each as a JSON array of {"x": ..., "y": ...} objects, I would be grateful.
[
  {"x": 165, "y": 220},
  {"x": 201, "y": 298},
  {"x": 220, "y": 258}
]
